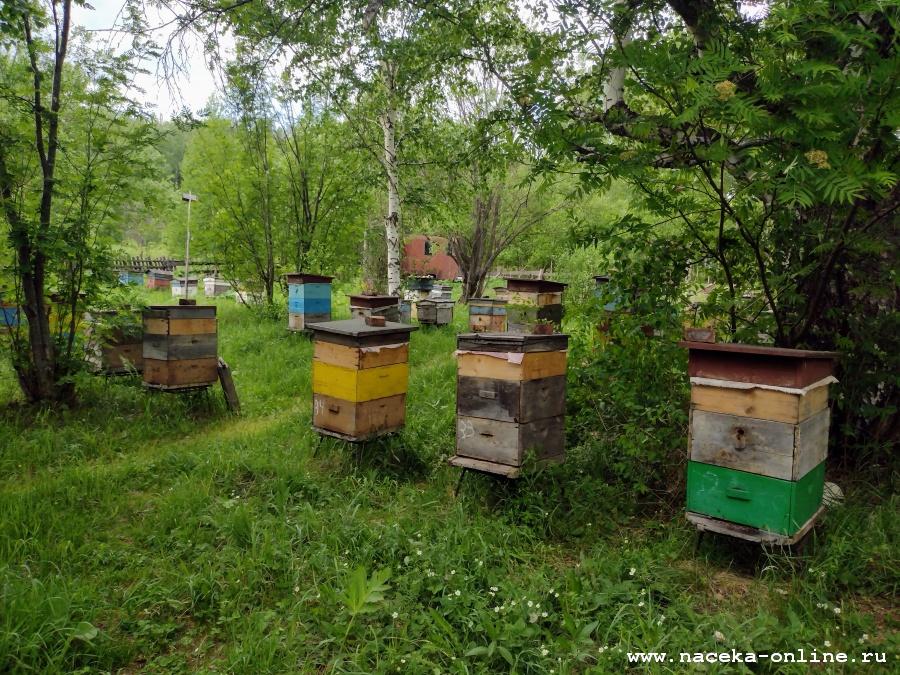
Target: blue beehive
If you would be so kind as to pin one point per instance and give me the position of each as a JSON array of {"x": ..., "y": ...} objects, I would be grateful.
[
  {"x": 309, "y": 299},
  {"x": 131, "y": 278},
  {"x": 9, "y": 317}
]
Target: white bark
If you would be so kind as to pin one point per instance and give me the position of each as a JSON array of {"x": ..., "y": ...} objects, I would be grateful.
[
  {"x": 614, "y": 86},
  {"x": 392, "y": 219}
]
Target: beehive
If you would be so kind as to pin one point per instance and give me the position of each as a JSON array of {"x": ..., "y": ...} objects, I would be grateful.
[
  {"x": 360, "y": 375},
  {"x": 131, "y": 278},
  {"x": 758, "y": 439},
  {"x": 178, "y": 284},
  {"x": 159, "y": 279},
  {"x": 487, "y": 315},
  {"x": 510, "y": 399},
  {"x": 118, "y": 352},
  {"x": 309, "y": 299},
  {"x": 180, "y": 346},
  {"x": 214, "y": 287},
  {"x": 532, "y": 301},
  {"x": 9, "y": 317},
  {"x": 387, "y": 306},
  {"x": 435, "y": 312}
]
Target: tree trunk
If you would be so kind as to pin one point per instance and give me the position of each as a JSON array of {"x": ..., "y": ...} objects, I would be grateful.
[
  {"x": 37, "y": 369},
  {"x": 392, "y": 219}
]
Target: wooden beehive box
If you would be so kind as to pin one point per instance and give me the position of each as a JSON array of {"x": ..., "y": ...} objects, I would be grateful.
[
  {"x": 309, "y": 299},
  {"x": 758, "y": 439},
  {"x": 115, "y": 352},
  {"x": 360, "y": 376},
  {"x": 180, "y": 347},
  {"x": 213, "y": 287},
  {"x": 131, "y": 278},
  {"x": 510, "y": 399},
  {"x": 178, "y": 284},
  {"x": 487, "y": 315},
  {"x": 159, "y": 279},
  {"x": 435, "y": 312},
  {"x": 532, "y": 301},
  {"x": 9, "y": 317},
  {"x": 387, "y": 306}
]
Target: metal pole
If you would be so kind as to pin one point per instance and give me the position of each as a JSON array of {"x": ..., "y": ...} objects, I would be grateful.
[{"x": 187, "y": 251}]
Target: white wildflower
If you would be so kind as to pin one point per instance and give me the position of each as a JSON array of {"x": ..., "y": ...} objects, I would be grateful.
[
  {"x": 836, "y": 610},
  {"x": 544, "y": 615},
  {"x": 827, "y": 643},
  {"x": 457, "y": 592},
  {"x": 544, "y": 651},
  {"x": 395, "y": 615},
  {"x": 631, "y": 572},
  {"x": 718, "y": 635}
]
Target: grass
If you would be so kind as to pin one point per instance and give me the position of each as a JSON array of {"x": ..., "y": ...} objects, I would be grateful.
[{"x": 142, "y": 531}]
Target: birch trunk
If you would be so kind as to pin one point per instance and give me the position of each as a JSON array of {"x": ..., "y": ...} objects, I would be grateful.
[{"x": 392, "y": 219}]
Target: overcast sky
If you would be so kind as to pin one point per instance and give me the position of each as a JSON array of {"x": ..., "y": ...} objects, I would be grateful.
[{"x": 194, "y": 88}]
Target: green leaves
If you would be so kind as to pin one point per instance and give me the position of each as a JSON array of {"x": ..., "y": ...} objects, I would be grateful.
[{"x": 364, "y": 594}]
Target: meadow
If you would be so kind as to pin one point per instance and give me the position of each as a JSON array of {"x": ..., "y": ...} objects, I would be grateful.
[{"x": 153, "y": 532}]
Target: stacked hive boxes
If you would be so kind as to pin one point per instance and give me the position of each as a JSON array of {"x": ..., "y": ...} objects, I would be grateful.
[
  {"x": 159, "y": 279},
  {"x": 180, "y": 347},
  {"x": 435, "y": 312},
  {"x": 758, "y": 439},
  {"x": 113, "y": 352},
  {"x": 387, "y": 306},
  {"x": 487, "y": 315},
  {"x": 533, "y": 301},
  {"x": 131, "y": 278},
  {"x": 360, "y": 376},
  {"x": 214, "y": 287},
  {"x": 178, "y": 285},
  {"x": 510, "y": 399},
  {"x": 309, "y": 299}
]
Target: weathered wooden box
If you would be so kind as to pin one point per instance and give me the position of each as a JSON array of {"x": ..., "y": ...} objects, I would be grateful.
[
  {"x": 159, "y": 279},
  {"x": 178, "y": 285},
  {"x": 532, "y": 301},
  {"x": 487, "y": 315},
  {"x": 213, "y": 287},
  {"x": 758, "y": 439},
  {"x": 387, "y": 306},
  {"x": 360, "y": 376},
  {"x": 180, "y": 346},
  {"x": 309, "y": 299},
  {"x": 510, "y": 399},
  {"x": 116, "y": 352},
  {"x": 435, "y": 312},
  {"x": 131, "y": 278}
]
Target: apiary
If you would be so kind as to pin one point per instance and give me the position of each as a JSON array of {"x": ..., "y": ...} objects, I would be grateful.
[
  {"x": 180, "y": 347},
  {"x": 487, "y": 315},
  {"x": 178, "y": 284},
  {"x": 758, "y": 439},
  {"x": 387, "y": 306},
  {"x": 510, "y": 400},
  {"x": 159, "y": 279},
  {"x": 435, "y": 312},
  {"x": 131, "y": 278},
  {"x": 360, "y": 375},
  {"x": 309, "y": 299},
  {"x": 533, "y": 301}
]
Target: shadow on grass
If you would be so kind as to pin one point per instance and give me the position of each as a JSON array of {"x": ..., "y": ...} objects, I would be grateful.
[{"x": 389, "y": 456}]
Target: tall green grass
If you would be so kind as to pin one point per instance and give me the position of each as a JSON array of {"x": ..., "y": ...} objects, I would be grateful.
[{"x": 147, "y": 531}]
